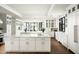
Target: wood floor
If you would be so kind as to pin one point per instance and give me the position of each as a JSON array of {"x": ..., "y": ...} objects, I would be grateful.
[{"x": 57, "y": 48}]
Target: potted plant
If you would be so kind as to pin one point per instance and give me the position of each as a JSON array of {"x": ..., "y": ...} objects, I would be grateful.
[{"x": 43, "y": 29}]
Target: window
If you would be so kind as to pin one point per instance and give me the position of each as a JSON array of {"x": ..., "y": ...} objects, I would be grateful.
[
  {"x": 62, "y": 24},
  {"x": 33, "y": 26}
]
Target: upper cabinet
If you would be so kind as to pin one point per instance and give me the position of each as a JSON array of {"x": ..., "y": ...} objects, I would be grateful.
[{"x": 50, "y": 23}]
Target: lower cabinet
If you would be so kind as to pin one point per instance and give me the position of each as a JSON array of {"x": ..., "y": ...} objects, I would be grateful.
[
  {"x": 23, "y": 44},
  {"x": 8, "y": 46},
  {"x": 43, "y": 45},
  {"x": 39, "y": 45},
  {"x": 15, "y": 45},
  {"x": 31, "y": 45},
  {"x": 8, "y": 43},
  {"x": 27, "y": 45}
]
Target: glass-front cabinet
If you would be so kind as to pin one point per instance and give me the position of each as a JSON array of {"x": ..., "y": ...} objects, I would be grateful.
[{"x": 50, "y": 23}]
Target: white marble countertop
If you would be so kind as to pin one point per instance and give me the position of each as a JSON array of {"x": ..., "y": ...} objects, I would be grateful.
[{"x": 33, "y": 35}]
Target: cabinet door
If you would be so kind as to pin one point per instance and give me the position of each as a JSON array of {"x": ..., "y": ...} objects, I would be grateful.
[
  {"x": 8, "y": 43},
  {"x": 27, "y": 44},
  {"x": 39, "y": 45},
  {"x": 8, "y": 46},
  {"x": 46, "y": 44},
  {"x": 32, "y": 45},
  {"x": 43, "y": 45},
  {"x": 15, "y": 45},
  {"x": 77, "y": 21},
  {"x": 24, "y": 45},
  {"x": 71, "y": 22}
]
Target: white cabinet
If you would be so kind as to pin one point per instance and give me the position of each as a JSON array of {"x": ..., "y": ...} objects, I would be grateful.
[
  {"x": 47, "y": 44},
  {"x": 57, "y": 36},
  {"x": 50, "y": 23},
  {"x": 24, "y": 44},
  {"x": 11, "y": 45},
  {"x": 39, "y": 44},
  {"x": 43, "y": 45},
  {"x": 8, "y": 46},
  {"x": 62, "y": 37},
  {"x": 15, "y": 45},
  {"x": 71, "y": 32},
  {"x": 27, "y": 44},
  {"x": 31, "y": 44},
  {"x": 77, "y": 22}
]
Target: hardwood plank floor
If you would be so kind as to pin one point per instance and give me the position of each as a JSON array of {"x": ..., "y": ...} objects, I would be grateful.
[
  {"x": 56, "y": 48},
  {"x": 2, "y": 49}
]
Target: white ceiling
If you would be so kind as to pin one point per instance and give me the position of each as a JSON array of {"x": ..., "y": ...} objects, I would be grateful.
[
  {"x": 58, "y": 9},
  {"x": 31, "y": 9},
  {"x": 35, "y": 10}
]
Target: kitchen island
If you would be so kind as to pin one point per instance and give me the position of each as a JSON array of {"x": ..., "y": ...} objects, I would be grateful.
[{"x": 28, "y": 43}]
